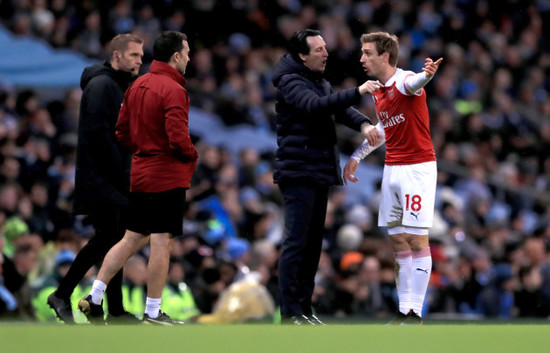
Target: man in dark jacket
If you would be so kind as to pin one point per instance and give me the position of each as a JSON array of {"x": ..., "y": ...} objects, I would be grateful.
[
  {"x": 307, "y": 162},
  {"x": 102, "y": 180}
]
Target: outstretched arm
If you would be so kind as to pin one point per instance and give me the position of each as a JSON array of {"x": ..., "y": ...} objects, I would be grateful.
[
  {"x": 299, "y": 94},
  {"x": 417, "y": 81}
]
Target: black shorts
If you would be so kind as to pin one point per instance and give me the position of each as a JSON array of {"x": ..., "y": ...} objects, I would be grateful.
[{"x": 160, "y": 212}]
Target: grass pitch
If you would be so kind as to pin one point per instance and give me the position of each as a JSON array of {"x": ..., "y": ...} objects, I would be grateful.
[{"x": 333, "y": 338}]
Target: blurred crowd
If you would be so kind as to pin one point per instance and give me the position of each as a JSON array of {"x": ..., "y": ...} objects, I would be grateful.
[{"x": 490, "y": 114}]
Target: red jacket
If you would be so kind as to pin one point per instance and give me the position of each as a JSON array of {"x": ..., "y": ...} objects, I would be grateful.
[{"x": 154, "y": 125}]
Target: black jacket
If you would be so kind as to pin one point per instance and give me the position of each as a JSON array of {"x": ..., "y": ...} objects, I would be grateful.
[
  {"x": 306, "y": 107},
  {"x": 102, "y": 165}
]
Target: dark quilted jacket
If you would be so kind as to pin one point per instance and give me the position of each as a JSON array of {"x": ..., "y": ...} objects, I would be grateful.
[{"x": 306, "y": 108}]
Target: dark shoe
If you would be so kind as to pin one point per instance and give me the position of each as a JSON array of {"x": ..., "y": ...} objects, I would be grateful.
[
  {"x": 316, "y": 320},
  {"x": 297, "y": 320},
  {"x": 412, "y": 319},
  {"x": 93, "y": 312},
  {"x": 62, "y": 308},
  {"x": 398, "y": 319},
  {"x": 162, "y": 319},
  {"x": 125, "y": 318}
]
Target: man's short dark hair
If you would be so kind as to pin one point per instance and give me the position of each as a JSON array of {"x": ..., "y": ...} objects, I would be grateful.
[
  {"x": 167, "y": 44},
  {"x": 298, "y": 43}
]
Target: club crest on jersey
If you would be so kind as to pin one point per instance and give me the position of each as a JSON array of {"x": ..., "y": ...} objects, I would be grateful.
[{"x": 391, "y": 94}]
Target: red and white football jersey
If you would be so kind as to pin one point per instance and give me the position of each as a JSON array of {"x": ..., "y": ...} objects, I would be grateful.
[{"x": 406, "y": 122}]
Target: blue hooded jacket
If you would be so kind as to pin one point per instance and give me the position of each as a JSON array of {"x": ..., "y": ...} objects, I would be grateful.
[{"x": 306, "y": 108}]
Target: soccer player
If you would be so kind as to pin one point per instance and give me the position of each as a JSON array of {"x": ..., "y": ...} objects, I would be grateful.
[{"x": 410, "y": 171}]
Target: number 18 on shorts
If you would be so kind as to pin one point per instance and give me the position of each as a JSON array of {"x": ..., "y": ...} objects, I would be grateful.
[{"x": 408, "y": 195}]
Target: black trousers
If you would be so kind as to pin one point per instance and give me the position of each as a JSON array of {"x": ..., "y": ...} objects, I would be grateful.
[
  {"x": 305, "y": 207},
  {"x": 110, "y": 225}
]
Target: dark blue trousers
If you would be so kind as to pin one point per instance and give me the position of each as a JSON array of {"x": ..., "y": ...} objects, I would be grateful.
[{"x": 305, "y": 207}]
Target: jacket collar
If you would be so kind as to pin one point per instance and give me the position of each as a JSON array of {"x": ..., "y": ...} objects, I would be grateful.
[{"x": 161, "y": 68}]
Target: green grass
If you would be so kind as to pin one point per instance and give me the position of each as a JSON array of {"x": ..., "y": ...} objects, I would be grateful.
[{"x": 336, "y": 338}]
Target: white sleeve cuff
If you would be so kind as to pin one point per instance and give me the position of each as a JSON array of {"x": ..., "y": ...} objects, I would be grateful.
[{"x": 365, "y": 148}]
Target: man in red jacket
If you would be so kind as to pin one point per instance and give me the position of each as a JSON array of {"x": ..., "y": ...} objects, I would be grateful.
[{"x": 153, "y": 125}]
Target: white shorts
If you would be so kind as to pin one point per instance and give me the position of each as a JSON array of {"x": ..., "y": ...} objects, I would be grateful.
[{"x": 408, "y": 198}]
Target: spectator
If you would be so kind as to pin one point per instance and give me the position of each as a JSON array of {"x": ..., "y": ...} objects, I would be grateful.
[
  {"x": 46, "y": 285},
  {"x": 529, "y": 298},
  {"x": 8, "y": 303},
  {"x": 178, "y": 298},
  {"x": 134, "y": 285}
]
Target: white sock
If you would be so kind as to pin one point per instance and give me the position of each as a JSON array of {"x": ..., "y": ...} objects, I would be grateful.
[
  {"x": 422, "y": 269},
  {"x": 403, "y": 280},
  {"x": 152, "y": 307},
  {"x": 98, "y": 288}
]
